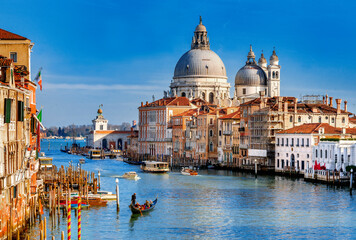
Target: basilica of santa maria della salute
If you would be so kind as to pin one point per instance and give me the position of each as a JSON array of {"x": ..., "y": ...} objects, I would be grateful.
[{"x": 200, "y": 73}]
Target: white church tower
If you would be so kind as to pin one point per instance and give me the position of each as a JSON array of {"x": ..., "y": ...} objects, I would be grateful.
[
  {"x": 273, "y": 80},
  {"x": 100, "y": 123}
]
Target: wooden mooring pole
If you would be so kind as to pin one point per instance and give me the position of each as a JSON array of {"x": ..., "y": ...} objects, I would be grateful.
[
  {"x": 117, "y": 195},
  {"x": 351, "y": 179}
]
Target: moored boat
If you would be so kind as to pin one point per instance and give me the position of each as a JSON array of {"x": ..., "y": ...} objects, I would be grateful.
[
  {"x": 155, "y": 167},
  {"x": 82, "y": 160},
  {"x": 189, "y": 172},
  {"x": 95, "y": 154},
  {"x": 139, "y": 210}
]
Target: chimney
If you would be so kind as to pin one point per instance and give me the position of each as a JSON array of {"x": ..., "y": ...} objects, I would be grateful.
[
  {"x": 146, "y": 102},
  {"x": 326, "y": 99},
  {"x": 345, "y": 108},
  {"x": 338, "y": 105},
  {"x": 331, "y": 101},
  {"x": 280, "y": 99},
  {"x": 285, "y": 106},
  {"x": 323, "y": 99},
  {"x": 295, "y": 104},
  {"x": 141, "y": 104}
]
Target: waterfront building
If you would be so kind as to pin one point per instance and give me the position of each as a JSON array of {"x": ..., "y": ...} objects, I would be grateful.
[
  {"x": 229, "y": 139},
  {"x": 155, "y": 133},
  {"x": 352, "y": 122},
  {"x": 335, "y": 154},
  {"x": 132, "y": 142},
  {"x": 200, "y": 73},
  {"x": 19, "y": 136},
  {"x": 263, "y": 117},
  {"x": 294, "y": 146},
  {"x": 17, "y": 48},
  {"x": 102, "y": 138},
  {"x": 253, "y": 78}
]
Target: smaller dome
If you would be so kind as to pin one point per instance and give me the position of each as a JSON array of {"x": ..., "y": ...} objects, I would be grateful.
[
  {"x": 274, "y": 56},
  {"x": 200, "y": 27},
  {"x": 262, "y": 59},
  {"x": 251, "y": 54},
  {"x": 251, "y": 75}
]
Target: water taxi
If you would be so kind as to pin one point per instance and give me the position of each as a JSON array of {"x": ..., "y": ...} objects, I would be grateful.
[
  {"x": 45, "y": 162},
  {"x": 188, "y": 172},
  {"x": 130, "y": 175},
  {"x": 155, "y": 167}
]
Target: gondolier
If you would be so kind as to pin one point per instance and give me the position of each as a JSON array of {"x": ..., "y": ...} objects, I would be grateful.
[{"x": 133, "y": 199}]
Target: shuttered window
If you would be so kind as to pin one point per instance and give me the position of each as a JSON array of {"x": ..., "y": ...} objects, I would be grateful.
[
  {"x": 7, "y": 110},
  {"x": 20, "y": 111},
  {"x": 33, "y": 122}
]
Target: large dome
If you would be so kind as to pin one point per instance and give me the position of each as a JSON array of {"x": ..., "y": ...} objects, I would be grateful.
[
  {"x": 251, "y": 75},
  {"x": 200, "y": 63}
]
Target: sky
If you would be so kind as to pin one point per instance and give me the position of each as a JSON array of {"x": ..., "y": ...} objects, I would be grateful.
[{"x": 120, "y": 53}]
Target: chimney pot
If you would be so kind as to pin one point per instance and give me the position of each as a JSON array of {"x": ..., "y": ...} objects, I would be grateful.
[
  {"x": 331, "y": 101},
  {"x": 141, "y": 104},
  {"x": 338, "y": 105},
  {"x": 345, "y": 108}
]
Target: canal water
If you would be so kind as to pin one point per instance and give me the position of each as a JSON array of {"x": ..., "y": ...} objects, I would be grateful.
[{"x": 213, "y": 205}]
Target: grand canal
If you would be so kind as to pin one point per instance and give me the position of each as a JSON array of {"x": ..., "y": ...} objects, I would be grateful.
[{"x": 214, "y": 205}]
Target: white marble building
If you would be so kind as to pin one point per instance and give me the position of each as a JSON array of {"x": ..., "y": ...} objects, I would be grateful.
[
  {"x": 200, "y": 73},
  {"x": 102, "y": 138},
  {"x": 335, "y": 154}
]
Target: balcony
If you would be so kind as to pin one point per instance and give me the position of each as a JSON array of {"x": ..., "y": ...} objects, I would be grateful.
[
  {"x": 168, "y": 139},
  {"x": 229, "y": 132}
]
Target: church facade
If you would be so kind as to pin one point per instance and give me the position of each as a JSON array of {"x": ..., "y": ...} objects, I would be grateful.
[{"x": 200, "y": 73}]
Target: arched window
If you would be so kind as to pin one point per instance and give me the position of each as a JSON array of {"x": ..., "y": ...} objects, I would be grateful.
[
  {"x": 211, "y": 147},
  {"x": 273, "y": 75},
  {"x": 211, "y": 97},
  {"x": 211, "y": 133},
  {"x": 277, "y": 75},
  {"x": 183, "y": 94},
  {"x": 119, "y": 144},
  {"x": 291, "y": 118},
  {"x": 299, "y": 119},
  {"x": 326, "y": 153},
  {"x": 211, "y": 121},
  {"x": 319, "y": 119},
  {"x": 203, "y": 95}
]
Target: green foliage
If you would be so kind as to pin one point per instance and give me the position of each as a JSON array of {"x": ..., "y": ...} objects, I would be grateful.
[{"x": 348, "y": 168}]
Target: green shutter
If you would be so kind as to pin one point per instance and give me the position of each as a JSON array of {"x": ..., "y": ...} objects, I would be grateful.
[
  {"x": 7, "y": 110},
  {"x": 20, "y": 111}
]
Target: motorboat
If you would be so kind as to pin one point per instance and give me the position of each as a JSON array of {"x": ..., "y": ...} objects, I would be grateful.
[
  {"x": 155, "y": 167},
  {"x": 130, "y": 175},
  {"x": 188, "y": 172}
]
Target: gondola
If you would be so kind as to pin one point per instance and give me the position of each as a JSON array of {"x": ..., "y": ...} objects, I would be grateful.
[{"x": 136, "y": 210}]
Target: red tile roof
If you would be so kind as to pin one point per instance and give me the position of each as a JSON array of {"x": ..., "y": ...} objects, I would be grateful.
[
  {"x": 188, "y": 113},
  {"x": 235, "y": 116},
  {"x": 6, "y": 35},
  {"x": 352, "y": 120},
  {"x": 173, "y": 101},
  {"x": 310, "y": 128}
]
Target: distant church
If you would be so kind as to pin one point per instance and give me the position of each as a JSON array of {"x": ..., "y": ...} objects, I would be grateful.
[
  {"x": 102, "y": 138},
  {"x": 200, "y": 73}
]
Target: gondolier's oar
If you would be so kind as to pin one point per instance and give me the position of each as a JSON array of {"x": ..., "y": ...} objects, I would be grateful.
[{"x": 140, "y": 211}]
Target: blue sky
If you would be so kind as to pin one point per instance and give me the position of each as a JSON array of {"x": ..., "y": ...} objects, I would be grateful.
[{"x": 119, "y": 53}]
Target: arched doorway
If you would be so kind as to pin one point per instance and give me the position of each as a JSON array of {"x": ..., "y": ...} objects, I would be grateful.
[
  {"x": 292, "y": 160},
  {"x": 105, "y": 143},
  {"x": 211, "y": 97},
  {"x": 119, "y": 144},
  {"x": 183, "y": 94},
  {"x": 203, "y": 95}
]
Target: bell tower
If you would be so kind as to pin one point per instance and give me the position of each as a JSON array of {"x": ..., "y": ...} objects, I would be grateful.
[
  {"x": 100, "y": 123},
  {"x": 273, "y": 79}
]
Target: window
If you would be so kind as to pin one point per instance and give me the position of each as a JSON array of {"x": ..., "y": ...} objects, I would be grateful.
[
  {"x": 203, "y": 95},
  {"x": 287, "y": 154},
  {"x": 277, "y": 154},
  {"x": 277, "y": 75},
  {"x": 277, "y": 141},
  {"x": 282, "y": 142},
  {"x": 321, "y": 153},
  {"x": 307, "y": 155},
  {"x": 7, "y": 117},
  {"x": 20, "y": 111},
  {"x": 274, "y": 75},
  {"x": 335, "y": 158},
  {"x": 244, "y": 91},
  {"x": 302, "y": 142},
  {"x": 286, "y": 141},
  {"x": 211, "y": 97},
  {"x": 343, "y": 120},
  {"x": 319, "y": 119},
  {"x": 211, "y": 121},
  {"x": 211, "y": 133},
  {"x": 13, "y": 56},
  {"x": 302, "y": 165},
  {"x": 291, "y": 119},
  {"x": 342, "y": 158},
  {"x": 299, "y": 119},
  {"x": 297, "y": 155},
  {"x": 326, "y": 154},
  {"x": 101, "y": 127},
  {"x": 332, "y": 120},
  {"x": 282, "y": 163},
  {"x": 292, "y": 144},
  {"x": 297, "y": 142},
  {"x": 211, "y": 147},
  {"x": 316, "y": 153},
  {"x": 307, "y": 142},
  {"x": 219, "y": 132}
]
